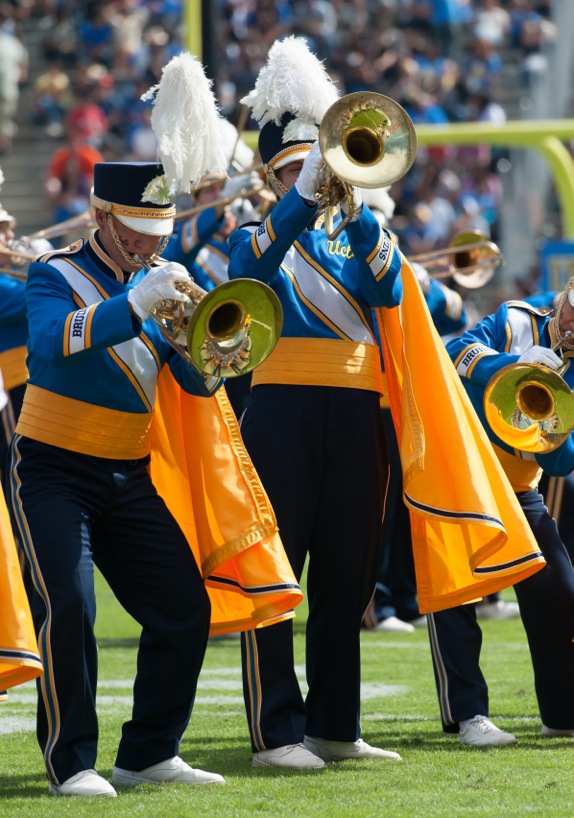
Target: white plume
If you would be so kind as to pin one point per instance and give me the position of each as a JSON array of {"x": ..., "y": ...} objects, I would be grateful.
[
  {"x": 186, "y": 123},
  {"x": 293, "y": 80},
  {"x": 1, "y": 178}
]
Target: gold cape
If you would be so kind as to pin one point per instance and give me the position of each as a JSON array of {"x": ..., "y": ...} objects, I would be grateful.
[
  {"x": 470, "y": 537},
  {"x": 201, "y": 468},
  {"x": 19, "y": 657}
]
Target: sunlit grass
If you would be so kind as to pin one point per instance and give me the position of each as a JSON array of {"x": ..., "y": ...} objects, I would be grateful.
[{"x": 437, "y": 776}]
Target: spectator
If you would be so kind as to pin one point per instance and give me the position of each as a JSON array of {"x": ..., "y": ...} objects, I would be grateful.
[{"x": 13, "y": 74}]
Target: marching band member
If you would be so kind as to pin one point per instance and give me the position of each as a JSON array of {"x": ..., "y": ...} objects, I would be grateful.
[
  {"x": 81, "y": 492},
  {"x": 313, "y": 426},
  {"x": 13, "y": 338},
  {"x": 113, "y": 465},
  {"x": 13, "y": 330},
  {"x": 516, "y": 333}
]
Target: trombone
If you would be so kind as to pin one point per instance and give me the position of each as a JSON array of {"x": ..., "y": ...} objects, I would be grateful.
[
  {"x": 529, "y": 406},
  {"x": 224, "y": 333},
  {"x": 471, "y": 259},
  {"x": 366, "y": 140},
  {"x": 246, "y": 193},
  {"x": 86, "y": 219}
]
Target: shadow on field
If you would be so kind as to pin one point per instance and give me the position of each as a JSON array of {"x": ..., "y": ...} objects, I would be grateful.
[
  {"x": 402, "y": 741},
  {"x": 23, "y": 786}
]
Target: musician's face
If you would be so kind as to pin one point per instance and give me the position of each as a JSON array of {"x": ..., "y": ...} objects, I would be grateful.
[
  {"x": 566, "y": 318},
  {"x": 289, "y": 174},
  {"x": 132, "y": 242},
  {"x": 211, "y": 193}
]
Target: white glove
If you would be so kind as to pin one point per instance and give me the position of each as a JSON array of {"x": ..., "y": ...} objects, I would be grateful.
[
  {"x": 422, "y": 276},
  {"x": 310, "y": 176},
  {"x": 158, "y": 285},
  {"x": 243, "y": 182},
  {"x": 542, "y": 356},
  {"x": 357, "y": 205}
]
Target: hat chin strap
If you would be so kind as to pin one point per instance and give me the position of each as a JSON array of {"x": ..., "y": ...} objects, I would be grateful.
[
  {"x": 276, "y": 186},
  {"x": 133, "y": 260}
]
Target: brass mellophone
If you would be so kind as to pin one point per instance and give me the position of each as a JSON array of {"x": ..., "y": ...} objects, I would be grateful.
[{"x": 224, "y": 333}]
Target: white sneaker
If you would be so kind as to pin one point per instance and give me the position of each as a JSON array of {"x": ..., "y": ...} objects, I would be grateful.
[
  {"x": 420, "y": 621},
  {"x": 86, "y": 783},
  {"x": 481, "y": 732},
  {"x": 497, "y": 610},
  {"x": 173, "y": 770},
  {"x": 341, "y": 750},
  {"x": 296, "y": 756},
  {"x": 393, "y": 625},
  {"x": 554, "y": 732}
]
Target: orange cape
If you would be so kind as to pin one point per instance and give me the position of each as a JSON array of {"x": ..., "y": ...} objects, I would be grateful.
[
  {"x": 201, "y": 468},
  {"x": 470, "y": 537},
  {"x": 19, "y": 657}
]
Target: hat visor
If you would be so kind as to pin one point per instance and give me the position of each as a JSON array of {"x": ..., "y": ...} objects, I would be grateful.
[
  {"x": 151, "y": 227},
  {"x": 571, "y": 297},
  {"x": 294, "y": 155}
]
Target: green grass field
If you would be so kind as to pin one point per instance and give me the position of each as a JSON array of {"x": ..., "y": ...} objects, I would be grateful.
[{"x": 437, "y": 777}]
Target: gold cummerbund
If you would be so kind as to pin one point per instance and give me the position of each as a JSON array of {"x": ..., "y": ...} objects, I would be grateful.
[
  {"x": 524, "y": 475},
  {"x": 82, "y": 427},
  {"x": 322, "y": 362},
  {"x": 13, "y": 367}
]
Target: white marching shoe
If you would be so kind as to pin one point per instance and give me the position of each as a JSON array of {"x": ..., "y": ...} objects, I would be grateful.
[
  {"x": 342, "y": 750},
  {"x": 497, "y": 610},
  {"x": 554, "y": 732},
  {"x": 87, "y": 783},
  {"x": 393, "y": 625},
  {"x": 172, "y": 770},
  {"x": 296, "y": 756},
  {"x": 481, "y": 732}
]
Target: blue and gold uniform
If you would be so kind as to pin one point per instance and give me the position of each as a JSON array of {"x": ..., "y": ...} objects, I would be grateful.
[
  {"x": 313, "y": 429},
  {"x": 546, "y": 599},
  {"x": 81, "y": 492}
]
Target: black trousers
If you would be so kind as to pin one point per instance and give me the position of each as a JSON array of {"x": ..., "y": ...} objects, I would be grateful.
[
  {"x": 75, "y": 511},
  {"x": 321, "y": 455},
  {"x": 546, "y": 602}
]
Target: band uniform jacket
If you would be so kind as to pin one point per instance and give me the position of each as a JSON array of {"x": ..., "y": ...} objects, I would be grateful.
[{"x": 105, "y": 405}]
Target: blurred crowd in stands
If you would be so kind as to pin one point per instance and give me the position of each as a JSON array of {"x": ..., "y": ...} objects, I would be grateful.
[{"x": 442, "y": 60}]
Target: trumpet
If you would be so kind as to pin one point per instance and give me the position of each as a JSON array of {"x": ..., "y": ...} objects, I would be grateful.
[
  {"x": 471, "y": 259},
  {"x": 223, "y": 333},
  {"x": 366, "y": 140},
  {"x": 529, "y": 406}
]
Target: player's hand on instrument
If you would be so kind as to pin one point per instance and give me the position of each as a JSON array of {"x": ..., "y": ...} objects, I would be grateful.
[
  {"x": 357, "y": 204},
  {"x": 311, "y": 174},
  {"x": 541, "y": 355},
  {"x": 157, "y": 285}
]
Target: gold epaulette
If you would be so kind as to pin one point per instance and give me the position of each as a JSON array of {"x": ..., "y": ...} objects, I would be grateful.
[
  {"x": 524, "y": 305},
  {"x": 63, "y": 251}
]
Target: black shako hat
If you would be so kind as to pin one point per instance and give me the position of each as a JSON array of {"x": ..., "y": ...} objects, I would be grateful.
[
  {"x": 138, "y": 195},
  {"x": 276, "y": 153}
]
